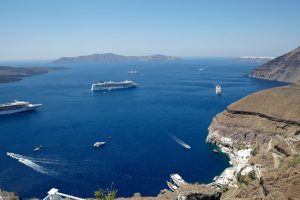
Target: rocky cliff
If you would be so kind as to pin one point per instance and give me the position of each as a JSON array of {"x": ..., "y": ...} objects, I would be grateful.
[
  {"x": 269, "y": 122},
  {"x": 260, "y": 116},
  {"x": 8, "y": 195},
  {"x": 185, "y": 192},
  {"x": 284, "y": 68}
]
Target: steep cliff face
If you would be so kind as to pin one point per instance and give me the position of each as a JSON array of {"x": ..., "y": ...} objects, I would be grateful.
[
  {"x": 269, "y": 121},
  {"x": 260, "y": 116},
  {"x": 197, "y": 192},
  {"x": 284, "y": 68}
]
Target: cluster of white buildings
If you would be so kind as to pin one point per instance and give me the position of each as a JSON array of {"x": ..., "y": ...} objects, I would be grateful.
[{"x": 239, "y": 159}]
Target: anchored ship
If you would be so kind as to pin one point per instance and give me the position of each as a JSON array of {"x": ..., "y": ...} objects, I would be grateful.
[
  {"x": 175, "y": 182},
  {"x": 112, "y": 85},
  {"x": 133, "y": 72},
  {"x": 17, "y": 106},
  {"x": 218, "y": 90}
]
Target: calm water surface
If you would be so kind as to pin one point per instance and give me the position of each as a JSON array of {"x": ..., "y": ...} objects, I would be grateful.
[{"x": 173, "y": 99}]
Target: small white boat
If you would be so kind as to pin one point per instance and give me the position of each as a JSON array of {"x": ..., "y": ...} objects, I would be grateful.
[
  {"x": 215, "y": 178},
  {"x": 98, "y": 144},
  {"x": 173, "y": 187},
  {"x": 182, "y": 143},
  {"x": 37, "y": 149},
  {"x": 218, "y": 90},
  {"x": 133, "y": 72}
]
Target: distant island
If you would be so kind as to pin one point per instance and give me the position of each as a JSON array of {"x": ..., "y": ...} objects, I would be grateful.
[
  {"x": 255, "y": 58},
  {"x": 10, "y": 74},
  {"x": 114, "y": 57},
  {"x": 284, "y": 68}
]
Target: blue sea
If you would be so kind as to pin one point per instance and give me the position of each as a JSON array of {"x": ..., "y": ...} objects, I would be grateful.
[{"x": 173, "y": 99}]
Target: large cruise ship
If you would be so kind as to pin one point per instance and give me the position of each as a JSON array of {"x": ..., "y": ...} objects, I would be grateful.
[
  {"x": 112, "y": 85},
  {"x": 17, "y": 106}
]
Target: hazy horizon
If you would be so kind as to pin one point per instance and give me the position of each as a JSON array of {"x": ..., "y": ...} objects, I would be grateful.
[{"x": 47, "y": 30}]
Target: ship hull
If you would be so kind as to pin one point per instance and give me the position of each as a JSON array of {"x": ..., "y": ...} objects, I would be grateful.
[
  {"x": 95, "y": 88},
  {"x": 24, "y": 109}
]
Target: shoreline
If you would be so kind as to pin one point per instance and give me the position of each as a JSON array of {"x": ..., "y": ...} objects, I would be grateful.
[
  {"x": 13, "y": 74},
  {"x": 239, "y": 160}
]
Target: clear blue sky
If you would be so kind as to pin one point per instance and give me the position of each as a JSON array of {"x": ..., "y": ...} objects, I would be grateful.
[{"x": 47, "y": 29}]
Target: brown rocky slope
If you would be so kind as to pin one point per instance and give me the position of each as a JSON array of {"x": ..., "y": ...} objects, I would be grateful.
[
  {"x": 268, "y": 121},
  {"x": 284, "y": 68}
]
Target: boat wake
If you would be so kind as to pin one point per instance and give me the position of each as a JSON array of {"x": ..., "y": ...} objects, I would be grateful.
[
  {"x": 179, "y": 141},
  {"x": 200, "y": 69},
  {"x": 32, "y": 163}
]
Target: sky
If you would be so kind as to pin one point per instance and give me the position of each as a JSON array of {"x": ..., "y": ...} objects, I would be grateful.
[{"x": 49, "y": 29}]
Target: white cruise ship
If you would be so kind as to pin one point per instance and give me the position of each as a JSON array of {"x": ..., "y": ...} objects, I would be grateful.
[
  {"x": 17, "y": 106},
  {"x": 112, "y": 85}
]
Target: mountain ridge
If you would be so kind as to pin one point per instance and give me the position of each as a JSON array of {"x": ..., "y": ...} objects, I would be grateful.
[
  {"x": 97, "y": 57},
  {"x": 285, "y": 68}
]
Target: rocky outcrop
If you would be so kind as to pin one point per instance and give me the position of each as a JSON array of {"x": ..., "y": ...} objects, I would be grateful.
[
  {"x": 269, "y": 121},
  {"x": 8, "y": 195},
  {"x": 260, "y": 116},
  {"x": 284, "y": 68},
  {"x": 197, "y": 192}
]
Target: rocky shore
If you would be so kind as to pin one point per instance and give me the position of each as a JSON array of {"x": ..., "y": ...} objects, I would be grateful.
[{"x": 8, "y": 195}]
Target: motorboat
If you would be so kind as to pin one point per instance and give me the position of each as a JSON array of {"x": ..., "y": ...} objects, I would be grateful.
[{"x": 99, "y": 144}]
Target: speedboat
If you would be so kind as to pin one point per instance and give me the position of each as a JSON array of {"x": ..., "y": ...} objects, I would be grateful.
[
  {"x": 37, "y": 149},
  {"x": 98, "y": 144}
]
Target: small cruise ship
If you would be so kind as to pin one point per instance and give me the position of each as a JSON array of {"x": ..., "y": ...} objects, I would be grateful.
[
  {"x": 218, "y": 90},
  {"x": 17, "y": 106},
  {"x": 112, "y": 85}
]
